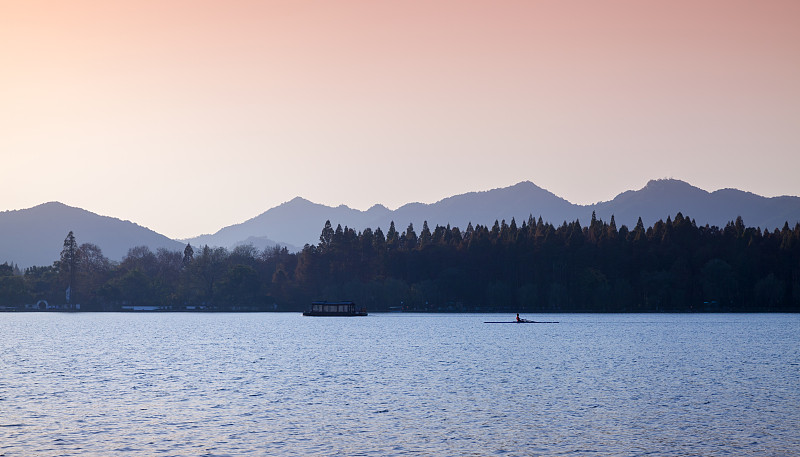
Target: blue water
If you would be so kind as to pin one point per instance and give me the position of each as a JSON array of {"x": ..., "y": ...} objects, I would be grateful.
[{"x": 398, "y": 384}]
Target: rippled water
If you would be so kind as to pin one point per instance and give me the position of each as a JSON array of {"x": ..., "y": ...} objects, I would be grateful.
[{"x": 398, "y": 384}]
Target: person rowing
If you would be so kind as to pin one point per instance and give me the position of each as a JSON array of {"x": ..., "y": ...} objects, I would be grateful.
[{"x": 520, "y": 320}]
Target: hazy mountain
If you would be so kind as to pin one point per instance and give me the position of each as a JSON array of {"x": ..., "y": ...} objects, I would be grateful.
[
  {"x": 299, "y": 221},
  {"x": 665, "y": 197},
  {"x": 518, "y": 201},
  {"x": 296, "y": 223},
  {"x": 35, "y": 236},
  {"x": 261, "y": 243}
]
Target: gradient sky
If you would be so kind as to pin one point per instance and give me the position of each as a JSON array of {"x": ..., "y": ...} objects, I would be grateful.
[{"x": 188, "y": 116}]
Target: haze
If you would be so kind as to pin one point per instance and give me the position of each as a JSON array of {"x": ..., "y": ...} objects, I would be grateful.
[{"x": 187, "y": 116}]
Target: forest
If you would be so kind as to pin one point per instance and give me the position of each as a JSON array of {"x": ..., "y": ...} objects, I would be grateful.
[{"x": 532, "y": 267}]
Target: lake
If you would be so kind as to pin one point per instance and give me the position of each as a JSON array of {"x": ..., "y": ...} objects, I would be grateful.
[{"x": 399, "y": 384}]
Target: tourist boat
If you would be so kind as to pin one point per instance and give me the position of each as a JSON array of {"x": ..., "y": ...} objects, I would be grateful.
[{"x": 335, "y": 308}]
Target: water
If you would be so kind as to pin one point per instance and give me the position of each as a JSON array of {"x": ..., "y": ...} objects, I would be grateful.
[{"x": 398, "y": 384}]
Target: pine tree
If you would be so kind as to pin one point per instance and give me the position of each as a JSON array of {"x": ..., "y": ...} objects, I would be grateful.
[
  {"x": 69, "y": 263},
  {"x": 188, "y": 254},
  {"x": 469, "y": 232},
  {"x": 326, "y": 237},
  {"x": 392, "y": 237},
  {"x": 425, "y": 237},
  {"x": 409, "y": 237}
]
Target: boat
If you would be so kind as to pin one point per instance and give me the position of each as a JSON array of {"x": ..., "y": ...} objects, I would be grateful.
[{"x": 335, "y": 308}]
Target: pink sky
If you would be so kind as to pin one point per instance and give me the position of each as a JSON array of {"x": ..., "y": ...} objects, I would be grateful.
[{"x": 187, "y": 116}]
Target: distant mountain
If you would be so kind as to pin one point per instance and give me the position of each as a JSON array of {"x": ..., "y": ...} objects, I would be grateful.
[
  {"x": 295, "y": 223},
  {"x": 666, "y": 197},
  {"x": 261, "y": 243},
  {"x": 300, "y": 221},
  {"x": 518, "y": 201},
  {"x": 35, "y": 236}
]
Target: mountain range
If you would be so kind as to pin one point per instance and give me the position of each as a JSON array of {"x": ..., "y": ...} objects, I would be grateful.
[
  {"x": 35, "y": 236},
  {"x": 300, "y": 221}
]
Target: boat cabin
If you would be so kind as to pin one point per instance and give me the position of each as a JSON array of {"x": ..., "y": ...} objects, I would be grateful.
[{"x": 337, "y": 308}]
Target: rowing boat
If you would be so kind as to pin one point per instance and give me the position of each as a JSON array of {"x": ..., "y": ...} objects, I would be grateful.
[{"x": 524, "y": 321}]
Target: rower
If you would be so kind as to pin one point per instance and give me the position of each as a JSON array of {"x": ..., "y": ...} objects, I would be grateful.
[{"x": 518, "y": 319}]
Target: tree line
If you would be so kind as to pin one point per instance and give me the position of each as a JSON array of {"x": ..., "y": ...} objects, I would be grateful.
[{"x": 671, "y": 266}]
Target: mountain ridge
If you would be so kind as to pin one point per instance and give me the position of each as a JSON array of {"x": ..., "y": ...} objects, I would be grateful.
[
  {"x": 658, "y": 199},
  {"x": 34, "y": 236}
]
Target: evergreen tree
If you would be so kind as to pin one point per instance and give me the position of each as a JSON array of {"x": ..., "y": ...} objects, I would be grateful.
[
  {"x": 409, "y": 237},
  {"x": 379, "y": 240},
  {"x": 326, "y": 237},
  {"x": 188, "y": 254},
  {"x": 69, "y": 264},
  {"x": 425, "y": 237},
  {"x": 469, "y": 232},
  {"x": 392, "y": 237}
]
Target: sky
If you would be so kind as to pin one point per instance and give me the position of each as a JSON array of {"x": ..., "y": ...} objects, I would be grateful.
[{"x": 186, "y": 116}]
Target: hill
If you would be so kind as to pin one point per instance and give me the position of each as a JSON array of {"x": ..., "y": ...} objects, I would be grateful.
[{"x": 35, "y": 236}]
